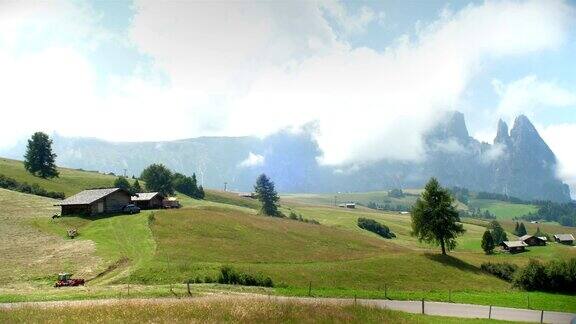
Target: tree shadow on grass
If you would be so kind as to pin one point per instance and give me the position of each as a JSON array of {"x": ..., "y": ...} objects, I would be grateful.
[{"x": 453, "y": 262}]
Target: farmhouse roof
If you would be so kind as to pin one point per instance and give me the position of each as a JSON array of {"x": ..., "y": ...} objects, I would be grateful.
[
  {"x": 564, "y": 237},
  {"x": 524, "y": 237},
  {"x": 87, "y": 197},
  {"x": 512, "y": 244},
  {"x": 144, "y": 196}
]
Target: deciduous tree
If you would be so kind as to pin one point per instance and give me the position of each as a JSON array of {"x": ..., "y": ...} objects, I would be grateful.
[{"x": 158, "y": 178}]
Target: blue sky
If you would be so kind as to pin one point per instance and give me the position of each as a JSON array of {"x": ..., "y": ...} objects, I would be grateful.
[{"x": 381, "y": 70}]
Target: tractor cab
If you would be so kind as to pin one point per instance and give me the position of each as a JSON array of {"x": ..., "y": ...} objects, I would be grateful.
[{"x": 65, "y": 280}]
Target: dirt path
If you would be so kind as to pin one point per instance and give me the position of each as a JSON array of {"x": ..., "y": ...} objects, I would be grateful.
[{"x": 417, "y": 307}]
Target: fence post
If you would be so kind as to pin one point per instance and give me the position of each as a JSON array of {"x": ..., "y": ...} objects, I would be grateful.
[
  {"x": 310, "y": 289},
  {"x": 188, "y": 287},
  {"x": 528, "y": 297},
  {"x": 422, "y": 305},
  {"x": 128, "y": 290},
  {"x": 542, "y": 316},
  {"x": 386, "y": 291},
  {"x": 449, "y": 295},
  {"x": 490, "y": 312},
  {"x": 354, "y": 299}
]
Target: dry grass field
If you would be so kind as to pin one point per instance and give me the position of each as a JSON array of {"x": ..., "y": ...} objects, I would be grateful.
[
  {"x": 28, "y": 254},
  {"x": 216, "y": 309}
]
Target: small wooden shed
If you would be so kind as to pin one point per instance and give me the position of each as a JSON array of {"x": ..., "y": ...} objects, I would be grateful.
[
  {"x": 531, "y": 240},
  {"x": 564, "y": 238},
  {"x": 514, "y": 246},
  {"x": 95, "y": 201},
  {"x": 148, "y": 200}
]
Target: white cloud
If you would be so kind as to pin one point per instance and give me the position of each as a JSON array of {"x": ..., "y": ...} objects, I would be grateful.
[
  {"x": 253, "y": 160},
  {"x": 239, "y": 68},
  {"x": 371, "y": 105},
  {"x": 560, "y": 138},
  {"x": 528, "y": 95},
  {"x": 493, "y": 153}
]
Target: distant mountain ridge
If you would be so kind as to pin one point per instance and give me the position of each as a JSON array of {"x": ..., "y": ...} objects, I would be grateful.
[{"x": 518, "y": 163}]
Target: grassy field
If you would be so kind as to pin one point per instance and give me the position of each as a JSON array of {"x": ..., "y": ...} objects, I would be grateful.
[
  {"x": 501, "y": 209},
  {"x": 29, "y": 254},
  {"x": 69, "y": 182},
  {"x": 220, "y": 309},
  {"x": 337, "y": 258},
  {"x": 363, "y": 198}
]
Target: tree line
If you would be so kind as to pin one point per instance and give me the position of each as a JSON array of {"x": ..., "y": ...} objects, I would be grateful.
[
  {"x": 159, "y": 178},
  {"x": 563, "y": 213}
]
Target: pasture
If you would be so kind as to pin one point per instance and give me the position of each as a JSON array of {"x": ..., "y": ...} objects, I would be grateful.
[
  {"x": 70, "y": 181},
  {"x": 336, "y": 258},
  {"x": 501, "y": 209}
]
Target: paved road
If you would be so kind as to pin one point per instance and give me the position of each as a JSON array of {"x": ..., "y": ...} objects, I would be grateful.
[
  {"x": 430, "y": 308},
  {"x": 457, "y": 310}
]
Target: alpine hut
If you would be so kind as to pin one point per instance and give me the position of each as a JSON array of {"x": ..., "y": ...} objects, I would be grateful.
[
  {"x": 95, "y": 201},
  {"x": 513, "y": 246},
  {"x": 148, "y": 200}
]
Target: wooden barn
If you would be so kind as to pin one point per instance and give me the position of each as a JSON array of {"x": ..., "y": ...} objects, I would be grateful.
[
  {"x": 514, "y": 246},
  {"x": 148, "y": 200},
  {"x": 95, "y": 201},
  {"x": 564, "y": 238},
  {"x": 531, "y": 240}
]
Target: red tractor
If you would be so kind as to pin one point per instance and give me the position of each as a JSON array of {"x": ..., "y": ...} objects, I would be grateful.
[{"x": 65, "y": 280}]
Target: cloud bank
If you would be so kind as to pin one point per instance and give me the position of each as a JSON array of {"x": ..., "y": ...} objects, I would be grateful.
[{"x": 241, "y": 68}]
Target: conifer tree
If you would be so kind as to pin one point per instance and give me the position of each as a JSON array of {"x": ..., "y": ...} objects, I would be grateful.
[
  {"x": 136, "y": 187},
  {"x": 39, "y": 159},
  {"x": 498, "y": 232},
  {"x": 435, "y": 218},
  {"x": 201, "y": 193},
  {"x": 488, "y": 242},
  {"x": 267, "y": 195},
  {"x": 521, "y": 230}
]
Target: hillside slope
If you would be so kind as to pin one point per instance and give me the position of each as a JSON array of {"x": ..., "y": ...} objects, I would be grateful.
[
  {"x": 69, "y": 182},
  {"x": 29, "y": 254}
]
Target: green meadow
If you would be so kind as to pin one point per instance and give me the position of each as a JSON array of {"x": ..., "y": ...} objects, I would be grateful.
[
  {"x": 156, "y": 252},
  {"x": 501, "y": 209}
]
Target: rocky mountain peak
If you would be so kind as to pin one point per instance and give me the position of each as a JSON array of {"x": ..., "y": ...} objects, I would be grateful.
[
  {"x": 452, "y": 126},
  {"x": 523, "y": 128},
  {"x": 525, "y": 139},
  {"x": 502, "y": 136},
  {"x": 456, "y": 126}
]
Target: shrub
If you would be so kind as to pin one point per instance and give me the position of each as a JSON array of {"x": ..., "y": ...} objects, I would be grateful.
[
  {"x": 555, "y": 276},
  {"x": 296, "y": 217},
  {"x": 531, "y": 277},
  {"x": 375, "y": 227},
  {"x": 35, "y": 189},
  {"x": 503, "y": 271},
  {"x": 151, "y": 218},
  {"x": 231, "y": 276}
]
